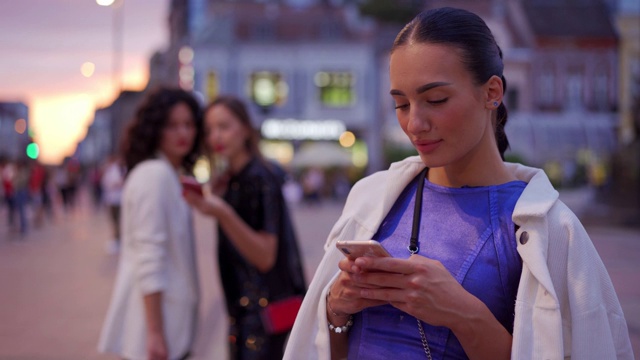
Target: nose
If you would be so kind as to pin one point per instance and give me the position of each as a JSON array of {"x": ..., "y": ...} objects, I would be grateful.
[
  {"x": 212, "y": 136},
  {"x": 418, "y": 120}
]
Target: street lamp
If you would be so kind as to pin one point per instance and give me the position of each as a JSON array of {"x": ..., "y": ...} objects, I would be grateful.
[{"x": 118, "y": 17}]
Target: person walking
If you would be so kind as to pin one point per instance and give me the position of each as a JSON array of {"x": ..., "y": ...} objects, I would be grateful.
[
  {"x": 257, "y": 249},
  {"x": 486, "y": 262},
  {"x": 111, "y": 183},
  {"x": 153, "y": 309}
]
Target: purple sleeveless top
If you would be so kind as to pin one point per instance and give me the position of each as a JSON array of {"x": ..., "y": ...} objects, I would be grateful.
[{"x": 470, "y": 231}]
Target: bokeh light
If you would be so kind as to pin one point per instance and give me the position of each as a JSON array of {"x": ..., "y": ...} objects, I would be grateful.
[
  {"x": 105, "y": 2},
  {"x": 347, "y": 139},
  {"x": 87, "y": 69},
  {"x": 185, "y": 55},
  {"x": 202, "y": 170},
  {"x": 33, "y": 151},
  {"x": 20, "y": 126}
]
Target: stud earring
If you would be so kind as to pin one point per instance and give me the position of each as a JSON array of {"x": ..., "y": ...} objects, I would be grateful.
[{"x": 495, "y": 103}]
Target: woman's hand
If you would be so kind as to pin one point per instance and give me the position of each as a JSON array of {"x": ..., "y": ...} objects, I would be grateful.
[
  {"x": 423, "y": 287},
  {"x": 419, "y": 286},
  {"x": 345, "y": 293},
  {"x": 208, "y": 204},
  {"x": 259, "y": 248}
]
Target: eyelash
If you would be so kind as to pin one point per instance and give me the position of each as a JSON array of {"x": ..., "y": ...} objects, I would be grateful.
[{"x": 436, "y": 102}]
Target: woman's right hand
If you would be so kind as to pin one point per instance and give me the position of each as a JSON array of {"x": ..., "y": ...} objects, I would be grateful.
[
  {"x": 209, "y": 204},
  {"x": 344, "y": 296}
]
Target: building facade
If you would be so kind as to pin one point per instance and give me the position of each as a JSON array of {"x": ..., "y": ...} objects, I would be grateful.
[
  {"x": 14, "y": 130},
  {"x": 311, "y": 70},
  {"x": 308, "y": 73}
]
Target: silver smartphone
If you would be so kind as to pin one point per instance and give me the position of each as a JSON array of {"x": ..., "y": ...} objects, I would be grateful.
[{"x": 356, "y": 248}]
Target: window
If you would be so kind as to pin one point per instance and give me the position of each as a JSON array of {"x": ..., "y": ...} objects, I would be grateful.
[
  {"x": 546, "y": 87},
  {"x": 263, "y": 31},
  {"x": 601, "y": 91},
  {"x": 335, "y": 88},
  {"x": 268, "y": 89},
  {"x": 574, "y": 91}
]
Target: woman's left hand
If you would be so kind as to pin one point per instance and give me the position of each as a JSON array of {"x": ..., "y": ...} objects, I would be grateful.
[{"x": 426, "y": 290}]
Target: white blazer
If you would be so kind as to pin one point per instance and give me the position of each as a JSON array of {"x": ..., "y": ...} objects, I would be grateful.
[
  {"x": 566, "y": 306},
  {"x": 157, "y": 256}
]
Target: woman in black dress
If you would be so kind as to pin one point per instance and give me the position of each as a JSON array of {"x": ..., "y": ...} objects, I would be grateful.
[{"x": 257, "y": 250}]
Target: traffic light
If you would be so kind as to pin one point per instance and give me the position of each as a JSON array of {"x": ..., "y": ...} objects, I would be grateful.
[{"x": 33, "y": 150}]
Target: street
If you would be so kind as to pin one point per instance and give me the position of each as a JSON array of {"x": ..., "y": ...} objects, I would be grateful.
[{"x": 56, "y": 281}]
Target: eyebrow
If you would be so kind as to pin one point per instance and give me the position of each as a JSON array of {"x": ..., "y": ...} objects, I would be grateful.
[{"x": 422, "y": 88}]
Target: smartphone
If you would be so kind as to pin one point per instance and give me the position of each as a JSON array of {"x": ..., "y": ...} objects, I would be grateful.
[
  {"x": 191, "y": 184},
  {"x": 356, "y": 248}
]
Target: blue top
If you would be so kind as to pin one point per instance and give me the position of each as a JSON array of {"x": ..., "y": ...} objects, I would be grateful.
[{"x": 470, "y": 231}]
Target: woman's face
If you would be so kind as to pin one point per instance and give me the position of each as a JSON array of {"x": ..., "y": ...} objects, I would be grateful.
[
  {"x": 178, "y": 134},
  {"x": 445, "y": 115},
  {"x": 224, "y": 133}
]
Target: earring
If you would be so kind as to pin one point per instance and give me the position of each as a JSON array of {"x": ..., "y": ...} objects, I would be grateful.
[{"x": 495, "y": 103}]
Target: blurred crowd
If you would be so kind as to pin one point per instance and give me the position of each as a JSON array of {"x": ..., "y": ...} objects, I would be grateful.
[{"x": 33, "y": 194}]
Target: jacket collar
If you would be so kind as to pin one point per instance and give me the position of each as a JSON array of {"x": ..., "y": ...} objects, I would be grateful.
[{"x": 537, "y": 198}]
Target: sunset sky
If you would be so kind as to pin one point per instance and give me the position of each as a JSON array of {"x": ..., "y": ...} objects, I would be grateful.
[{"x": 43, "y": 46}]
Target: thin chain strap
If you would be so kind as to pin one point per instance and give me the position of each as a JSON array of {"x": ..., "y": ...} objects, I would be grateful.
[
  {"x": 425, "y": 343},
  {"x": 413, "y": 247}
]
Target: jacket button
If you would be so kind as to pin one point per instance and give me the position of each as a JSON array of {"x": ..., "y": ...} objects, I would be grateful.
[{"x": 524, "y": 237}]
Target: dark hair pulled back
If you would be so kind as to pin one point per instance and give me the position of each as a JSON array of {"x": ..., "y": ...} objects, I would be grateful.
[
  {"x": 143, "y": 135},
  {"x": 480, "y": 53}
]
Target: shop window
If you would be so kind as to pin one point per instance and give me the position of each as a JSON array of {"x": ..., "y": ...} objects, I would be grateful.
[
  {"x": 336, "y": 89},
  {"x": 268, "y": 89}
]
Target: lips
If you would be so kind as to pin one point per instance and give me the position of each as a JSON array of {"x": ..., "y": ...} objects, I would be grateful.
[
  {"x": 427, "y": 146},
  {"x": 218, "y": 148}
]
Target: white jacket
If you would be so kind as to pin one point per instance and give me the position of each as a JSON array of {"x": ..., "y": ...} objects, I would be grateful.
[
  {"x": 566, "y": 306},
  {"x": 157, "y": 255}
]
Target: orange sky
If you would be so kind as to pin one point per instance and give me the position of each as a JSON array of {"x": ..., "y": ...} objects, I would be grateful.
[{"x": 44, "y": 44}]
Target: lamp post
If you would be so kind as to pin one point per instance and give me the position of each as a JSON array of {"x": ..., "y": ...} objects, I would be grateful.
[{"x": 117, "y": 39}]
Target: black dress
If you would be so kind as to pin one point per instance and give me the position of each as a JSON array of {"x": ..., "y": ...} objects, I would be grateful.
[{"x": 255, "y": 194}]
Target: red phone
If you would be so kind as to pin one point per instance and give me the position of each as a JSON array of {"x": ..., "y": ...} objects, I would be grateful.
[
  {"x": 356, "y": 248},
  {"x": 191, "y": 184}
]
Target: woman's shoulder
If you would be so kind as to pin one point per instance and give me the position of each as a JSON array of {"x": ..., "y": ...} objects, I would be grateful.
[
  {"x": 150, "y": 172},
  {"x": 261, "y": 172},
  {"x": 397, "y": 171}
]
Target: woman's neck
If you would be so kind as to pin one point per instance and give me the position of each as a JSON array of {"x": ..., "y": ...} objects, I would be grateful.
[
  {"x": 480, "y": 171},
  {"x": 238, "y": 161},
  {"x": 176, "y": 162}
]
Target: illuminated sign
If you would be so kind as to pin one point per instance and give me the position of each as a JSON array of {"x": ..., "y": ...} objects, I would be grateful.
[{"x": 292, "y": 129}]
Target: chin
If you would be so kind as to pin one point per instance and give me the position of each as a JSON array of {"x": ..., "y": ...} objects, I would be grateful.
[{"x": 431, "y": 161}]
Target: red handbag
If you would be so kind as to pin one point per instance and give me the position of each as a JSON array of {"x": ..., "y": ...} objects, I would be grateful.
[{"x": 278, "y": 317}]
